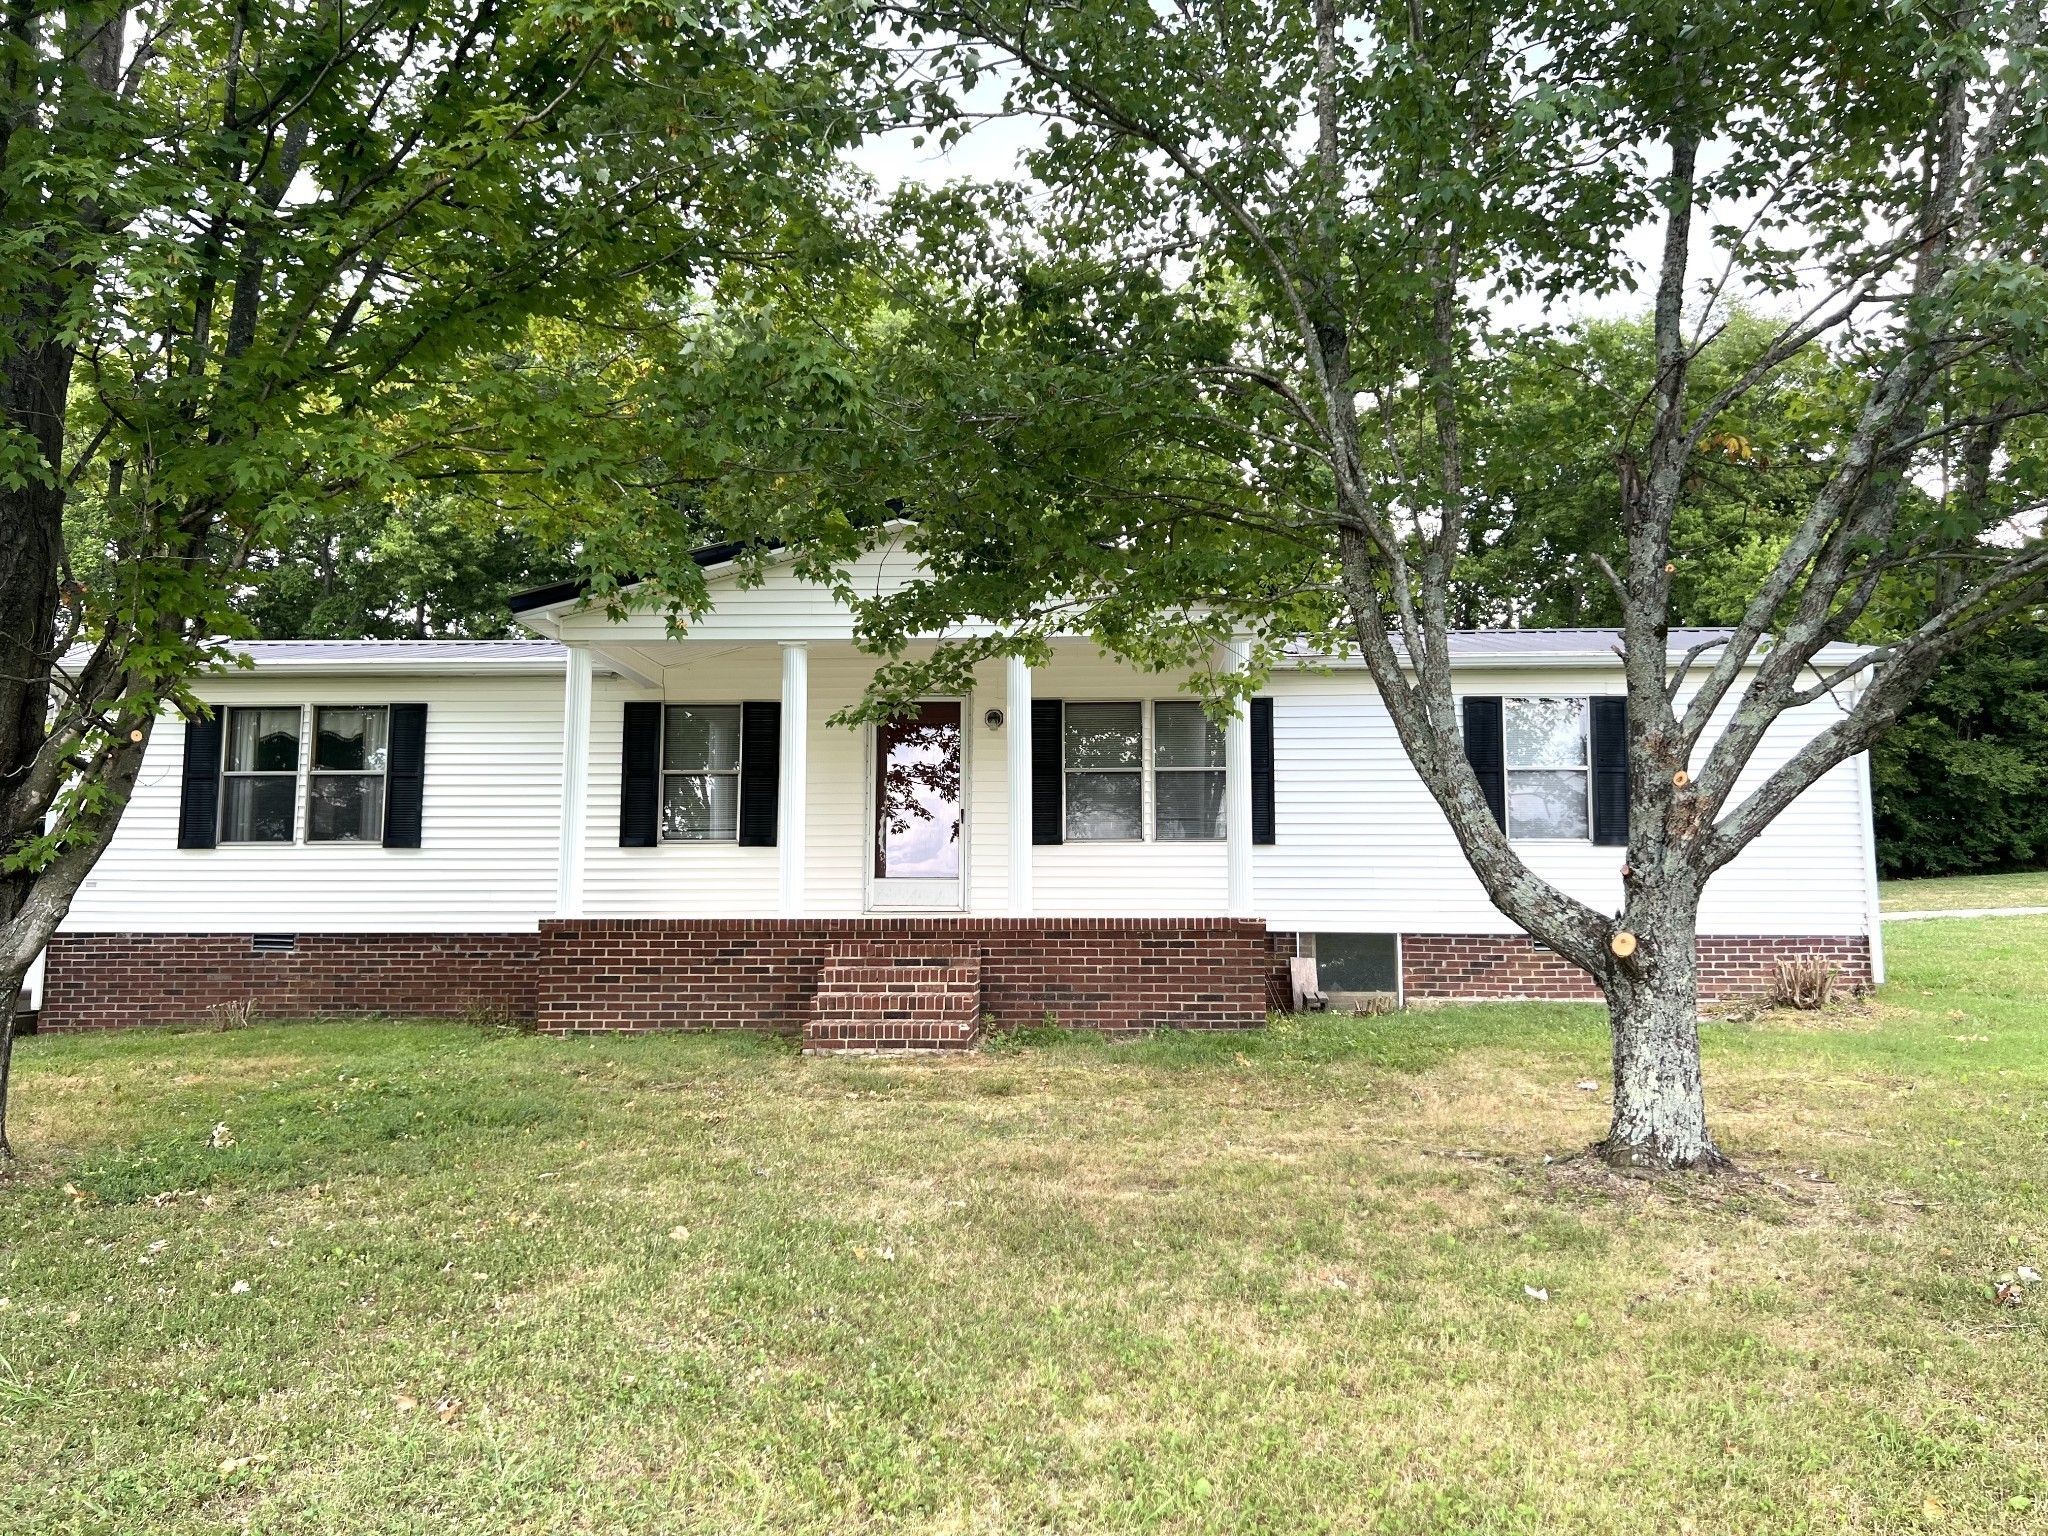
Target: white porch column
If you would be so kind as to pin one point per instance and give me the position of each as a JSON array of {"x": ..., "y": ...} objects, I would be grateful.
[
  {"x": 1237, "y": 802},
  {"x": 575, "y": 782},
  {"x": 793, "y": 777},
  {"x": 1018, "y": 707}
]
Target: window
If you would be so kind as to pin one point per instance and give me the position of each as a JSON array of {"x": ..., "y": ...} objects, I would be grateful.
[
  {"x": 1187, "y": 768},
  {"x": 1358, "y": 962},
  {"x": 259, "y": 790},
  {"x": 1547, "y": 789},
  {"x": 700, "y": 773},
  {"x": 1105, "y": 771},
  {"x": 345, "y": 791}
]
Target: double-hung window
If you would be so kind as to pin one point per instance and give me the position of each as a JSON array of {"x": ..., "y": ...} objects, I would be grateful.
[
  {"x": 1104, "y": 751},
  {"x": 1187, "y": 773},
  {"x": 259, "y": 786},
  {"x": 345, "y": 790},
  {"x": 700, "y": 773},
  {"x": 1548, "y": 795}
]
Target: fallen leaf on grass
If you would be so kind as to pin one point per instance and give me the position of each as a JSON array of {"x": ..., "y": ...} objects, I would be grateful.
[
  {"x": 447, "y": 1408},
  {"x": 238, "y": 1463},
  {"x": 405, "y": 1403},
  {"x": 1587, "y": 1085},
  {"x": 2007, "y": 1293},
  {"x": 2029, "y": 1276},
  {"x": 1536, "y": 1293}
]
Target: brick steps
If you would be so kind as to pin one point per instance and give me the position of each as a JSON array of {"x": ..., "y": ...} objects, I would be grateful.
[{"x": 876, "y": 997}]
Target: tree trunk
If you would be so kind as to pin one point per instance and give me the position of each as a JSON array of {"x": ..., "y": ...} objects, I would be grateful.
[{"x": 1660, "y": 1107}]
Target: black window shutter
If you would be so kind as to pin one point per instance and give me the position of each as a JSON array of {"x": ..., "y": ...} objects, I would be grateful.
[
  {"x": 760, "y": 772},
  {"x": 1610, "y": 771},
  {"x": 1262, "y": 770},
  {"x": 199, "y": 798},
  {"x": 640, "y": 778},
  {"x": 1486, "y": 750},
  {"x": 1048, "y": 759},
  {"x": 405, "y": 775}
]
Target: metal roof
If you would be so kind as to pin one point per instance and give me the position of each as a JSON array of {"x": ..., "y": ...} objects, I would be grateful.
[
  {"x": 1559, "y": 647},
  {"x": 1510, "y": 647},
  {"x": 445, "y": 656}
]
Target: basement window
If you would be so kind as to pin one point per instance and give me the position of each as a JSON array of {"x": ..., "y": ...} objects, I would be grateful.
[{"x": 1358, "y": 962}]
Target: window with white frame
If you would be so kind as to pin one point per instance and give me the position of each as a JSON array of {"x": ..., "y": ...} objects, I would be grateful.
[
  {"x": 1104, "y": 758},
  {"x": 1548, "y": 789},
  {"x": 345, "y": 787},
  {"x": 700, "y": 773},
  {"x": 259, "y": 782},
  {"x": 1187, "y": 773}
]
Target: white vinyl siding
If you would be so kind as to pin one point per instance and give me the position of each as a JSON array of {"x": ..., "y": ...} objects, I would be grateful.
[
  {"x": 492, "y": 793},
  {"x": 1366, "y": 850}
]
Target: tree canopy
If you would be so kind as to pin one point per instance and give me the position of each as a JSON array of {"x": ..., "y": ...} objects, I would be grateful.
[{"x": 266, "y": 262}]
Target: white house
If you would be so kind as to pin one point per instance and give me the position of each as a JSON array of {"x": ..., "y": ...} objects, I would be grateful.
[{"x": 610, "y": 827}]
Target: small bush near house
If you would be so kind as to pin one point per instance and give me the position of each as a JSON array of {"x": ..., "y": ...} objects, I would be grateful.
[
  {"x": 235, "y": 1015},
  {"x": 1807, "y": 982}
]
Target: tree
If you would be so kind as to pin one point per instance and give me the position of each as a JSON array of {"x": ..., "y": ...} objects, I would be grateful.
[
  {"x": 1542, "y": 491},
  {"x": 1223, "y": 367},
  {"x": 416, "y": 567},
  {"x": 1962, "y": 782},
  {"x": 264, "y": 259}
]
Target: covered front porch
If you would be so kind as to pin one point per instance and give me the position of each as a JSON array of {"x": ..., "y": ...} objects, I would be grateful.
[
  {"x": 704, "y": 778},
  {"x": 1071, "y": 842},
  {"x": 1054, "y": 845}
]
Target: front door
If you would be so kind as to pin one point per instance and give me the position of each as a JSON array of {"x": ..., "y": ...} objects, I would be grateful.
[{"x": 920, "y": 851}]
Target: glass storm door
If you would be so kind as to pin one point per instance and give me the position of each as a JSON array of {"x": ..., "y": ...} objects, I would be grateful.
[{"x": 919, "y": 846}]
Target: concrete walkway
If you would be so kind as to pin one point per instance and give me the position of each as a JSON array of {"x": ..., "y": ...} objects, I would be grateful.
[{"x": 1921, "y": 917}]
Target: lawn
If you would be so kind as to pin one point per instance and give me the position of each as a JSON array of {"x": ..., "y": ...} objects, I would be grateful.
[
  {"x": 2029, "y": 889},
  {"x": 416, "y": 1278}
]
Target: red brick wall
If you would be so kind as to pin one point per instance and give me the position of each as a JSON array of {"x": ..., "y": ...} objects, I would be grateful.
[
  {"x": 1443, "y": 966},
  {"x": 112, "y": 980},
  {"x": 1115, "y": 974}
]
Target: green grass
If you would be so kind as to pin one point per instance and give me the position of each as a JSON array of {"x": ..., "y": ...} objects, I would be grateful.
[
  {"x": 2029, "y": 889},
  {"x": 1270, "y": 1283}
]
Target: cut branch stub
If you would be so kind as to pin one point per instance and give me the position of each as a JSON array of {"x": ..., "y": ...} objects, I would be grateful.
[
  {"x": 1623, "y": 944},
  {"x": 1681, "y": 778}
]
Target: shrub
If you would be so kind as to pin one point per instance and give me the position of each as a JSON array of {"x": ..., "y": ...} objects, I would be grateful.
[{"x": 1806, "y": 982}]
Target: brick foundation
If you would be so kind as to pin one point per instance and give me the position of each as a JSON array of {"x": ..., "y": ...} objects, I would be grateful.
[
  {"x": 1112, "y": 974},
  {"x": 1440, "y": 967},
  {"x": 115, "y": 980}
]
